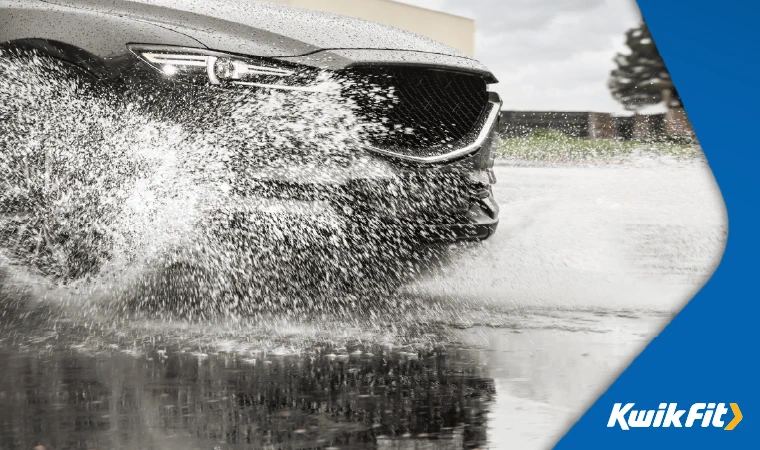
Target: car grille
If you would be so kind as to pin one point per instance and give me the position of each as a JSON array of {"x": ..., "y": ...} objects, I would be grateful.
[{"x": 416, "y": 111}]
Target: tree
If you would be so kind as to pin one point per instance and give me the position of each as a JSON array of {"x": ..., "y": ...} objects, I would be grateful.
[{"x": 641, "y": 78}]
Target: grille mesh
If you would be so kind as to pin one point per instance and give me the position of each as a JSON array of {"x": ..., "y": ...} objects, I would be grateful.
[{"x": 414, "y": 111}]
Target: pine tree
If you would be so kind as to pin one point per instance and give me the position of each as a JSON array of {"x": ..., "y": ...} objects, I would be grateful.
[{"x": 641, "y": 78}]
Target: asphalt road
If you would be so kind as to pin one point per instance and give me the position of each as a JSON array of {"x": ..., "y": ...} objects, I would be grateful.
[{"x": 504, "y": 349}]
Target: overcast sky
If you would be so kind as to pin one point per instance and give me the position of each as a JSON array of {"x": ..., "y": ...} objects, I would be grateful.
[{"x": 548, "y": 54}]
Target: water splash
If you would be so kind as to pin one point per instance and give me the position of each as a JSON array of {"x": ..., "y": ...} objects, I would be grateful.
[{"x": 190, "y": 200}]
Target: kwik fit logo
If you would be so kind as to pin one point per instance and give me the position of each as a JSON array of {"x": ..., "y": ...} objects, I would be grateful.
[{"x": 669, "y": 415}]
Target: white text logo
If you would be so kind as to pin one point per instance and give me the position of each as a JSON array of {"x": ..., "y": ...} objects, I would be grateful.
[{"x": 669, "y": 415}]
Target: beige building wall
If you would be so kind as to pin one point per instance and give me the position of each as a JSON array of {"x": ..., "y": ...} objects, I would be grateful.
[{"x": 454, "y": 31}]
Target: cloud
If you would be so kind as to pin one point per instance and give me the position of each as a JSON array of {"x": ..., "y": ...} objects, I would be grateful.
[{"x": 548, "y": 54}]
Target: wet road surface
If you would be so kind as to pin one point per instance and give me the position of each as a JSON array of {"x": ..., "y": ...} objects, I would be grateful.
[{"x": 504, "y": 349}]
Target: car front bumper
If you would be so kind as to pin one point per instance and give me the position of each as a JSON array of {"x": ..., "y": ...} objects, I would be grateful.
[
  {"x": 387, "y": 197},
  {"x": 437, "y": 199}
]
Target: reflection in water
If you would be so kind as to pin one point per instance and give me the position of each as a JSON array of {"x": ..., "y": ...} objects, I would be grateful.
[{"x": 328, "y": 397}]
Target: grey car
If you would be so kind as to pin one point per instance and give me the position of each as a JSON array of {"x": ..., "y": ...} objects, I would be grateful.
[{"x": 436, "y": 137}]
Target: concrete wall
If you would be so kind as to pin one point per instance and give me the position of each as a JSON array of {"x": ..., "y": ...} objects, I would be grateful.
[
  {"x": 601, "y": 126},
  {"x": 592, "y": 125},
  {"x": 454, "y": 31},
  {"x": 677, "y": 123},
  {"x": 521, "y": 123}
]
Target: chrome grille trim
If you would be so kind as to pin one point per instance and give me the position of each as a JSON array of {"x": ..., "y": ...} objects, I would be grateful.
[{"x": 487, "y": 122}]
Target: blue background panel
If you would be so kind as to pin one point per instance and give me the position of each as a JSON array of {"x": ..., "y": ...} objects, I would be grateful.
[{"x": 709, "y": 351}]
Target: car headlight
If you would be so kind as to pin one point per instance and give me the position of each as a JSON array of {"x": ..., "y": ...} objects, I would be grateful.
[{"x": 210, "y": 67}]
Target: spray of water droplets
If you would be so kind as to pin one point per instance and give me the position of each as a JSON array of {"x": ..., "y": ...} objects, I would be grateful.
[{"x": 193, "y": 201}]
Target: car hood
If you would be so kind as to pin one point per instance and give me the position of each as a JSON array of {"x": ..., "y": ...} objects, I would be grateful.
[{"x": 264, "y": 29}]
